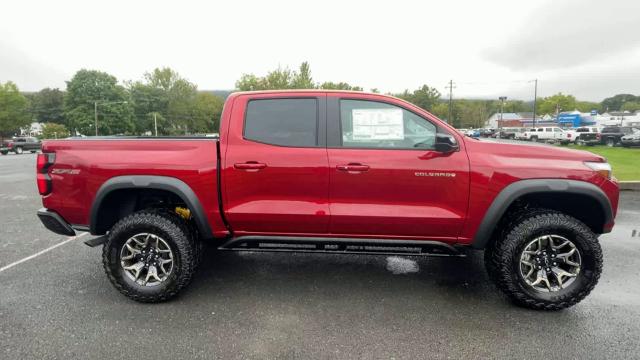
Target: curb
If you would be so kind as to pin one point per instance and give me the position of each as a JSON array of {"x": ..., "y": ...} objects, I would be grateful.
[{"x": 629, "y": 185}]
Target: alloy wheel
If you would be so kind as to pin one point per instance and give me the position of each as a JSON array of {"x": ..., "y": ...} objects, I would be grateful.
[
  {"x": 550, "y": 263},
  {"x": 146, "y": 259}
]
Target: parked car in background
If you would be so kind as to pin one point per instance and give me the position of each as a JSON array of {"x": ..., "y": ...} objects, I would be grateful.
[
  {"x": 487, "y": 132},
  {"x": 474, "y": 133},
  {"x": 632, "y": 139},
  {"x": 612, "y": 135},
  {"x": 573, "y": 135},
  {"x": 507, "y": 133},
  {"x": 19, "y": 145},
  {"x": 520, "y": 134},
  {"x": 544, "y": 134}
]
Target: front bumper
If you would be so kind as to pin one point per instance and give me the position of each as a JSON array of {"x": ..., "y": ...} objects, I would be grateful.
[{"x": 54, "y": 222}]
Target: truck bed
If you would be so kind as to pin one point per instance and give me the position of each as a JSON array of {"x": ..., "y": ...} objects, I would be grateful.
[{"x": 82, "y": 166}]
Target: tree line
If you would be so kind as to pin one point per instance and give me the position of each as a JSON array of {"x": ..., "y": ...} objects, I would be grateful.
[{"x": 165, "y": 101}]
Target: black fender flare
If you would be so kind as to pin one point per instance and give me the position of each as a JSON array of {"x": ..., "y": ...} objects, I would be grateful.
[
  {"x": 523, "y": 187},
  {"x": 171, "y": 184}
]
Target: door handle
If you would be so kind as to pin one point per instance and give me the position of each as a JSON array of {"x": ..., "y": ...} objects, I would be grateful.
[
  {"x": 353, "y": 167},
  {"x": 250, "y": 166}
]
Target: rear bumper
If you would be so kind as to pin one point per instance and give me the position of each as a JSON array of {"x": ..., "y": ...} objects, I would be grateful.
[
  {"x": 630, "y": 142},
  {"x": 54, "y": 222}
]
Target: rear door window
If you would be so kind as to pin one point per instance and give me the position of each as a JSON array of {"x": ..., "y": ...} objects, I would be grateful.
[{"x": 283, "y": 122}]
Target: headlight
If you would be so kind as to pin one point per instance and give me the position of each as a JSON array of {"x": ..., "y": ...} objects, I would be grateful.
[{"x": 601, "y": 168}]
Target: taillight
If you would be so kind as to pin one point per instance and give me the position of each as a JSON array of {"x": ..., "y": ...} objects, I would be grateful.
[
  {"x": 10, "y": 145},
  {"x": 598, "y": 136},
  {"x": 44, "y": 161}
]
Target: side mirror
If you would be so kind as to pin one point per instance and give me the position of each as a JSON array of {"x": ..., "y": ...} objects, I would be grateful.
[{"x": 446, "y": 143}]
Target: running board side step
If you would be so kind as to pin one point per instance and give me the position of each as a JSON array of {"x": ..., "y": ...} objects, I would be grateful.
[{"x": 341, "y": 246}]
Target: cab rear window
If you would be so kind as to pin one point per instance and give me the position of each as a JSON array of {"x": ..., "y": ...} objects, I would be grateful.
[{"x": 283, "y": 122}]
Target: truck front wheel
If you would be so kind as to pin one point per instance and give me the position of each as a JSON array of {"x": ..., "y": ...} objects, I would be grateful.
[
  {"x": 150, "y": 255},
  {"x": 546, "y": 261}
]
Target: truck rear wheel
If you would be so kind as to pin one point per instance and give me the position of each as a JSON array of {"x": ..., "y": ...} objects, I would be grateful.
[
  {"x": 610, "y": 142},
  {"x": 546, "y": 261},
  {"x": 150, "y": 255}
]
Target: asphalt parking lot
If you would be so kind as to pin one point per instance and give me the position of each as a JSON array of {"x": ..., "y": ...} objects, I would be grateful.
[{"x": 248, "y": 305}]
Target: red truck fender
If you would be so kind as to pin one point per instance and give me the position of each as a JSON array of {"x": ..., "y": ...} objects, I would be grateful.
[
  {"x": 99, "y": 225},
  {"x": 516, "y": 190}
]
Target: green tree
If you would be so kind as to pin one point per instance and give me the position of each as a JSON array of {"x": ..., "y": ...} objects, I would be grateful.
[
  {"x": 14, "y": 110},
  {"x": 510, "y": 106},
  {"x": 302, "y": 79},
  {"x": 148, "y": 102},
  {"x": 550, "y": 104},
  {"x": 631, "y": 106},
  {"x": 330, "y": 85},
  {"x": 284, "y": 78},
  {"x": 47, "y": 105},
  {"x": 206, "y": 113},
  {"x": 90, "y": 86},
  {"x": 174, "y": 103},
  {"x": 425, "y": 97},
  {"x": 54, "y": 131},
  {"x": 278, "y": 79},
  {"x": 440, "y": 110},
  {"x": 616, "y": 102}
]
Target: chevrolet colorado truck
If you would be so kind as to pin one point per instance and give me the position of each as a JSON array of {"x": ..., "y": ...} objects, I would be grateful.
[{"x": 332, "y": 172}]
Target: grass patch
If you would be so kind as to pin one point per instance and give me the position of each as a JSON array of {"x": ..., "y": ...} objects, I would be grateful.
[{"x": 624, "y": 161}]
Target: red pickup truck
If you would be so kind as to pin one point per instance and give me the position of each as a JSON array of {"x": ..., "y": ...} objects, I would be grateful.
[{"x": 333, "y": 172}]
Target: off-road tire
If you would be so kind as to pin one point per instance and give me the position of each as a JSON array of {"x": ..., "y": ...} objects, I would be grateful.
[
  {"x": 4, "y": 152},
  {"x": 534, "y": 139},
  {"x": 502, "y": 259},
  {"x": 610, "y": 142},
  {"x": 18, "y": 150},
  {"x": 170, "y": 227}
]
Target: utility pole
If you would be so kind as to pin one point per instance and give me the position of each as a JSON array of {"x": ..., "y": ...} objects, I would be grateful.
[
  {"x": 155, "y": 122},
  {"x": 535, "y": 98},
  {"x": 502, "y": 99},
  {"x": 450, "y": 87}
]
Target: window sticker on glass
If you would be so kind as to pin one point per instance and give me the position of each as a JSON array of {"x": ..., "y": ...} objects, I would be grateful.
[{"x": 377, "y": 124}]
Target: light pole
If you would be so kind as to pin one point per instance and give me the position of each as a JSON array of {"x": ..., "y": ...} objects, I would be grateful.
[
  {"x": 502, "y": 100},
  {"x": 102, "y": 102},
  {"x": 535, "y": 98}
]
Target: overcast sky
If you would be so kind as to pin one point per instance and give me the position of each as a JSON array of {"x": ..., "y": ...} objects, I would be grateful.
[{"x": 589, "y": 48}]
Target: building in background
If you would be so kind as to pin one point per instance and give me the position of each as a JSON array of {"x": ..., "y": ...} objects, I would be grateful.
[
  {"x": 620, "y": 118},
  {"x": 35, "y": 129}
]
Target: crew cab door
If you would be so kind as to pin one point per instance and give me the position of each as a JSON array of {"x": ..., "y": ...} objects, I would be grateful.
[
  {"x": 275, "y": 172},
  {"x": 386, "y": 179}
]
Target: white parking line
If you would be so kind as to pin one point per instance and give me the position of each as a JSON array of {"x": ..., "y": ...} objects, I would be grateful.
[{"x": 7, "y": 267}]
